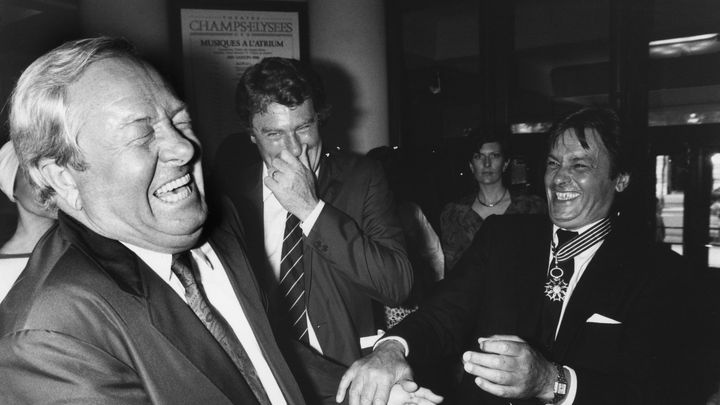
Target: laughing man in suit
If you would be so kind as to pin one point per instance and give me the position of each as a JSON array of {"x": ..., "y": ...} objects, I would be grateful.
[
  {"x": 541, "y": 315},
  {"x": 101, "y": 314},
  {"x": 348, "y": 249}
]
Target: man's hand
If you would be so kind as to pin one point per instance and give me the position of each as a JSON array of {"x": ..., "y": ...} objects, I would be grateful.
[
  {"x": 408, "y": 392},
  {"x": 293, "y": 183},
  {"x": 508, "y": 367},
  {"x": 371, "y": 378}
]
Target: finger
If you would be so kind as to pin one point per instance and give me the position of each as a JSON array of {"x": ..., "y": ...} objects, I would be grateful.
[
  {"x": 498, "y": 390},
  {"x": 290, "y": 159},
  {"x": 492, "y": 361},
  {"x": 381, "y": 394},
  {"x": 427, "y": 396},
  {"x": 271, "y": 183},
  {"x": 488, "y": 360},
  {"x": 512, "y": 338},
  {"x": 345, "y": 381},
  {"x": 504, "y": 347},
  {"x": 500, "y": 377},
  {"x": 284, "y": 162},
  {"x": 408, "y": 385},
  {"x": 304, "y": 156}
]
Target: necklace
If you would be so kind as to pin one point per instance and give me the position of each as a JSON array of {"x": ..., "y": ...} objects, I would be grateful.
[{"x": 490, "y": 205}]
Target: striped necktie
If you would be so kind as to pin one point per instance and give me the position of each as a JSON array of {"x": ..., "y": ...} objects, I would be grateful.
[
  {"x": 182, "y": 267},
  {"x": 292, "y": 280}
]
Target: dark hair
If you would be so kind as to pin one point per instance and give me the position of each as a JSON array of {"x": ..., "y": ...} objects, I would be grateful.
[
  {"x": 477, "y": 138},
  {"x": 278, "y": 80},
  {"x": 606, "y": 124}
]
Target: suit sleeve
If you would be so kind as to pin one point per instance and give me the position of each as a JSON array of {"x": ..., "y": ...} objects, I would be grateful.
[
  {"x": 44, "y": 367},
  {"x": 367, "y": 250},
  {"x": 444, "y": 323}
]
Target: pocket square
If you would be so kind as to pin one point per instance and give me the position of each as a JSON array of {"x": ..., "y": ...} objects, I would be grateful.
[{"x": 597, "y": 318}]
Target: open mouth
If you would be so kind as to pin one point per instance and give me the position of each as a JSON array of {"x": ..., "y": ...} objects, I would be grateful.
[
  {"x": 567, "y": 195},
  {"x": 175, "y": 190}
]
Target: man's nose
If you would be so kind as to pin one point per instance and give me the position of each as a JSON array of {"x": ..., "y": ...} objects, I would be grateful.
[
  {"x": 293, "y": 145},
  {"x": 562, "y": 175},
  {"x": 175, "y": 147},
  {"x": 487, "y": 162}
]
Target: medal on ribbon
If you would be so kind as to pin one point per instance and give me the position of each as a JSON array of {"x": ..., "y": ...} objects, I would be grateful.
[{"x": 556, "y": 287}]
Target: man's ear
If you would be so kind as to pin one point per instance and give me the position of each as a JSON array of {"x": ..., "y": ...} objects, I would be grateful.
[
  {"x": 63, "y": 182},
  {"x": 621, "y": 182},
  {"x": 252, "y": 139}
]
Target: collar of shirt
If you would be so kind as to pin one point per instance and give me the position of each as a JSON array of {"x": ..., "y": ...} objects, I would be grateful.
[
  {"x": 160, "y": 262},
  {"x": 579, "y": 230},
  {"x": 581, "y": 263}
]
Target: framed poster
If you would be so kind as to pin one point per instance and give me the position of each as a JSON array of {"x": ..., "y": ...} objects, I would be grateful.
[{"x": 218, "y": 41}]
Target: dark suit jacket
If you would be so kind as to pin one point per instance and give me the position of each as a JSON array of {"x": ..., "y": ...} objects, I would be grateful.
[
  {"x": 497, "y": 288},
  {"x": 353, "y": 256},
  {"x": 89, "y": 322}
]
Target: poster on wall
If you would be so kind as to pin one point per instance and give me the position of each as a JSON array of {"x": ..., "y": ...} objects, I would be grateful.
[{"x": 217, "y": 46}]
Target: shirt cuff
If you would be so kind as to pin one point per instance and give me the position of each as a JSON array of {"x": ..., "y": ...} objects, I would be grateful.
[
  {"x": 570, "y": 397},
  {"x": 396, "y": 339},
  {"x": 309, "y": 222}
]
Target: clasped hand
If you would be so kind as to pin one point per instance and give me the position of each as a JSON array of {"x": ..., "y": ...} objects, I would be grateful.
[
  {"x": 506, "y": 366},
  {"x": 292, "y": 182},
  {"x": 383, "y": 377}
]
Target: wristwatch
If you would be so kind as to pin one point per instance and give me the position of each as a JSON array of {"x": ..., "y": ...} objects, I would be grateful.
[{"x": 560, "y": 387}]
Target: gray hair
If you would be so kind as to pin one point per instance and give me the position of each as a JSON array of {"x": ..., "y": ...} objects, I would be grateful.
[{"x": 40, "y": 124}]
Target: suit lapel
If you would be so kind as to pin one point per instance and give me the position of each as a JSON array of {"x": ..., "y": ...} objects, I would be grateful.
[
  {"x": 330, "y": 175},
  {"x": 247, "y": 291},
  {"x": 177, "y": 322},
  {"x": 327, "y": 187},
  {"x": 167, "y": 312},
  {"x": 597, "y": 291}
]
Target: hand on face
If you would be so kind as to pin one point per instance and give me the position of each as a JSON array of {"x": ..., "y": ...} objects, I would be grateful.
[
  {"x": 293, "y": 183},
  {"x": 508, "y": 367}
]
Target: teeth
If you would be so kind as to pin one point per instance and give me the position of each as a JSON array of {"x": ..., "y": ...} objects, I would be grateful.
[
  {"x": 175, "y": 197},
  {"x": 171, "y": 192},
  {"x": 566, "y": 196}
]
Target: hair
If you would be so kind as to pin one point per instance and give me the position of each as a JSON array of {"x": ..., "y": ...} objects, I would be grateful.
[
  {"x": 606, "y": 124},
  {"x": 40, "y": 121},
  {"x": 278, "y": 80},
  {"x": 477, "y": 138}
]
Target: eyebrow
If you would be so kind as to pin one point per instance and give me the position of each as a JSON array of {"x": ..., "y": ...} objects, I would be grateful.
[
  {"x": 311, "y": 120},
  {"x": 145, "y": 119}
]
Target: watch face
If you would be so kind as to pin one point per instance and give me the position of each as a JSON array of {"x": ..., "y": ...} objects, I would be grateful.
[{"x": 560, "y": 389}]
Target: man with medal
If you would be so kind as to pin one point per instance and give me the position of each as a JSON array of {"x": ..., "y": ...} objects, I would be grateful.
[{"x": 575, "y": 310}]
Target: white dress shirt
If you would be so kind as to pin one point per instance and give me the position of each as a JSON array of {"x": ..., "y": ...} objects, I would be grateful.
[
  {"x": 10, "y": 268},
  {"x": 581, "y": 262},
  {"x": 221, "y": 295},
  {"x": 274, "y": 216}
]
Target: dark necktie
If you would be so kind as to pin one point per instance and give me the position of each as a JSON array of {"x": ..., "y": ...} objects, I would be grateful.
[
  {"x": 292, "y": 280},
  {"x": 555, "y": 290},
  {"x": 222, "y": 332}
]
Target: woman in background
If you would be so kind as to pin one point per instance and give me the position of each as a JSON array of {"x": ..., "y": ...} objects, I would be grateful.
[
  {"x": 33, "y": 219},
  {"x": 460, "y": 220}
]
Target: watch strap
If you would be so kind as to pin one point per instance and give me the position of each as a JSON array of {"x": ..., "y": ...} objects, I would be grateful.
[{"x": 560, "y": 388}]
